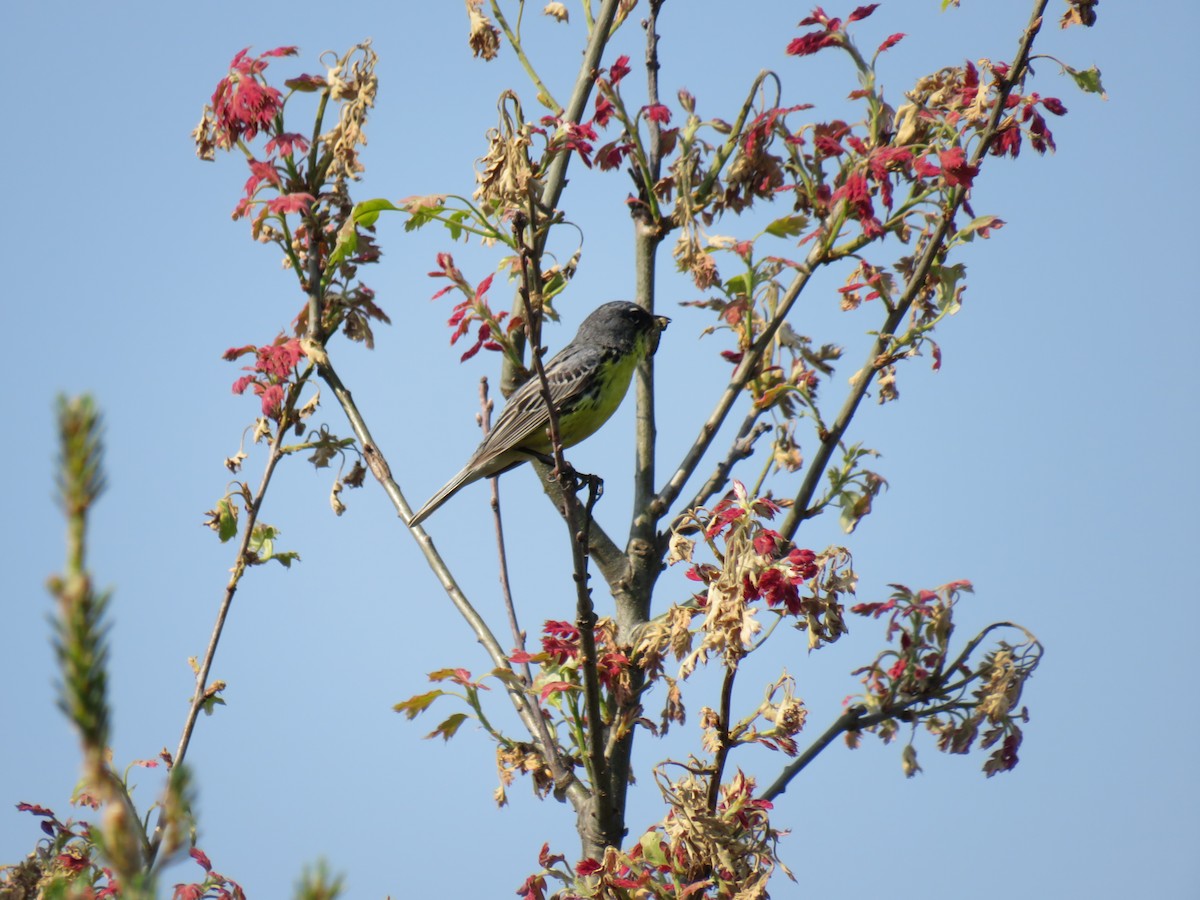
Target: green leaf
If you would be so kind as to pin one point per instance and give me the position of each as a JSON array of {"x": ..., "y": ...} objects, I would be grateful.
[
  {"x": 739, "y": 285},
  {"x": 949, "y": 290},
  {"x": 286, "y": 559},
  {"x": 262, "y": 541},
  {"x": 449, "y": 727},
  {"x": 414, "y": 706},
  {"x": 262, "y": 547},
  {"x": 367, "y": 212},
  {"x": 423, "y": 210},
  {"x": 1088, "y": 80},
  {"x": 454, "y": 223},
  {"x": 226, "y": 519},
  {"x": 852, "y": 511},
  {"x": 347, "y": 243},
  {"x": 980, "y": 225},
  {"x": 208, "y": 704},
  {"x": 788, "y": 226},
  {"x": 652, "y": 850}
]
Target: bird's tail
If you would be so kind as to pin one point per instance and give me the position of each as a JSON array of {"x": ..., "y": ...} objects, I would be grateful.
[{"x": 452, "y": 487}]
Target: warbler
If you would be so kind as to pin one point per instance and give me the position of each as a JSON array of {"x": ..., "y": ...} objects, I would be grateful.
[{"x": 588, "y": 379}]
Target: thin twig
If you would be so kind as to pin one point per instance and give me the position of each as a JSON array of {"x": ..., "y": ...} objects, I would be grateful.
[
  {"x": 648, "y": 236},
  {"x": 633, "y": 597},
  {"x": 723, "y": 741},
  {"x": 315, "y": 330},
  {"x": 550, "y": 749},
  {"x": 850, "y": 719},
  {"x": 514, "y": 40},
  {"x": 652, "y": 68},
  {"x": 555, "y": 181},
  {"x": 609, "y": 559},
  {"x": 485, "y": 423},
  {"x": 575, "y": 517},
  {"x": 853, "y": 719},
  {"x": 274, "y": 455},
  {"x": 607, "y": 555}
]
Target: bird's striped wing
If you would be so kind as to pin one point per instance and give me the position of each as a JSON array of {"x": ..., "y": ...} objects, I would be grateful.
[{"x": 524, "y": 420}]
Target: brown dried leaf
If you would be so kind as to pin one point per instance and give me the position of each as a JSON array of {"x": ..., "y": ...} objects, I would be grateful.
[{"x": 484, "y": 37}]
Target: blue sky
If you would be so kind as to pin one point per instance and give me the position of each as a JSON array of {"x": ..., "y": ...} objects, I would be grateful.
[{"x": 1051, "y": 461}]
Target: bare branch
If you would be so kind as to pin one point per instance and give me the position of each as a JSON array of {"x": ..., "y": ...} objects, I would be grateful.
[
  {"x": 649, "y": 234},
  {"x": 485, "y": 424},
  {"x": 725, "y": 713},
  {"x": 847, "y": 721}
]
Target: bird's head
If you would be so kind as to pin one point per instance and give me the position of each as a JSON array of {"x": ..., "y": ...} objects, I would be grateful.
[{"x": 622, "y": 325}]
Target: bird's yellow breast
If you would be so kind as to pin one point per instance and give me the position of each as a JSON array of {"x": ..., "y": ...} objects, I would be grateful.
[{"x": 596, "y": 405}]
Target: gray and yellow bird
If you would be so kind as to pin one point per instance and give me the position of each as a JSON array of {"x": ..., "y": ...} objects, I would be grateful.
[{"x": 588, "y": 379}]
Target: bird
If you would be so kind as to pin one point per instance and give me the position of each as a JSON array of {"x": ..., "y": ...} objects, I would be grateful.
[{"x": 588, "y": 379}]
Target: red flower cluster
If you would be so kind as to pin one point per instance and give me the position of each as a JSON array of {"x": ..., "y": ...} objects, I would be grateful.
[
  {"x": 214, "y": 885},
  {"x": 904, "y": 603},
  {"x": 461, "y": 322},
  {"x": 243, "y": 106},
  {"x": 732, "y": 508},
  {"x": 572, "y": 136},
  {"x": 779, "y": 584},
  {"x": 831, "y": 31},
  {"x": 1008, "y": 138},
  {"x": 860, "y": 187},
  {"x": 856, "y": 191},
  {"x": 604, "y": 111},
  {"x": 955, "y": 168},
  {"x": 830, "y": 35},
  {"x": 274, "y": 366},
  {"x": 618, "y": 70},
  {"x": 657, "y": 113},
  {"x": 474, "y": 309},
  {"x": 612, "y": 154},
  {"x": 243, "y": 103},
  {"x": 785, "y": 566},
  {"x": 560, "y": 642}
]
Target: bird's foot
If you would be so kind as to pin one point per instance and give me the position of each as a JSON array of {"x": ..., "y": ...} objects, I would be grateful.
[{"x": 573, "y": 481}]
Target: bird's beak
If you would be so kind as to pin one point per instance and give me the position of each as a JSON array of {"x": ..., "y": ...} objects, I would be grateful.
[{"x": 660, "y": 325}]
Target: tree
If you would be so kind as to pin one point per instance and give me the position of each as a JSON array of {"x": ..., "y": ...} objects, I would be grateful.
[{"x": 897, "y": 181}]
